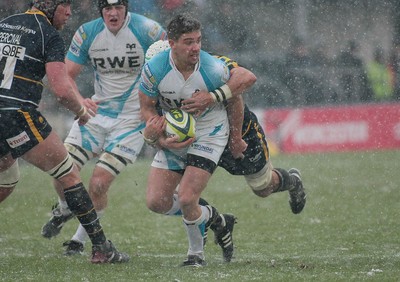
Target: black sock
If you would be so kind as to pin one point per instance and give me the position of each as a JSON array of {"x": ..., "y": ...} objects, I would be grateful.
[
  {"x": 216, "y": 220},
  {"x": 203, "y": 202},
  {"x": 286, "y": 180},
  {"x": 81, "y": 206}
]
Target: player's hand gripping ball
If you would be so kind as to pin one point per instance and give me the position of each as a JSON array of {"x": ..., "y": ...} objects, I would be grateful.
[{"x": 181, "y": 124}]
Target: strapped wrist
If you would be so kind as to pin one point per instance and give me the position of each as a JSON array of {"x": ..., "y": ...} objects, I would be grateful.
[
  {"x": 150, "y": 141},
  {"x": 83, "y": 111},
  {"x": 221, "y": 94}
]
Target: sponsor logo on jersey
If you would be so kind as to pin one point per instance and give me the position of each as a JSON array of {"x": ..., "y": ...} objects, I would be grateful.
[
  {"x": 83, "y": 33},
  {"x": 18, "y": 140},
  {"x": 154, "y": 31},
  {"x": 147, "y": 87},
  {"x": 99, "y": 50},
  {"x": 166, "y": 92},
  {"x": 17, "y": 27},
  {"x": 147, "y": 71},
  {"x": 203, "y": 148},
  {"x": 78, "y": 39},
  {"x": 149, "y": 74},
  {"x": 172, "y": 103},
  {"x": 146, "y": 82},
  {"x": 9, "y": 50},
  {"x": 255, "y": 158},
  {"x": 74, "y": 49},
  {"x": 130, "y": 46},
  {"x": 126, "y": 149},
  {"x": 117, "y": 62}
]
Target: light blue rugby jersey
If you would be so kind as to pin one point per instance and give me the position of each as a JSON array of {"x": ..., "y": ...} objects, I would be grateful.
[
  {"x": 160, "y": 79},
  {"x": 117, "y": 61}
]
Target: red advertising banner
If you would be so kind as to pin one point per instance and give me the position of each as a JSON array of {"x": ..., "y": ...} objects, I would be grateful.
[{"x": 344, "y": 128}]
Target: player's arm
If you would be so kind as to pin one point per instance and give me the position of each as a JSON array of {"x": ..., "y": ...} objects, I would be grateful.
[
  {"x": 155, "y": 124},
  {"x": 66, "y": 94},
  {"x": 235, "y": 110},
  {"x": 73, "y": 71},
  {"x": 241, "y": 79},
  {"x": 154, "y": 133}
]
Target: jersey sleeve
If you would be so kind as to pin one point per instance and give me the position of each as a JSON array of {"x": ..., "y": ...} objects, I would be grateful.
[
  {"x": 78, "y": 49},
  {"x": 149, "y": 32},
  {"x": 55, "y": 48},
  {"x": 148, "y": 83},
  {"x": 231, "y": 64},
  {"x": 153, "y": 72},
  {"x": 214, "y": 71}
]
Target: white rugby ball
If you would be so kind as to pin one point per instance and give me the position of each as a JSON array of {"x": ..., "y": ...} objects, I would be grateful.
[{"x": 181, "y": 124}]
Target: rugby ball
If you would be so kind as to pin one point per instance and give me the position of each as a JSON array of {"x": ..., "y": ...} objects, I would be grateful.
[{"x": 181, "y": 124}]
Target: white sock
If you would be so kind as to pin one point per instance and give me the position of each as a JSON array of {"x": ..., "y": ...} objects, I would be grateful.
[
  {"x": 81, "y": 234},
  {"x": 195, "y": 232},
  {"x": 176, "y": 208}
]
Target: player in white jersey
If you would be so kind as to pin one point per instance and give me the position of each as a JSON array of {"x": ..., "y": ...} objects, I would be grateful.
[
  {"x": 114, "y": 45},
  {"x": 169, "y": 78}
]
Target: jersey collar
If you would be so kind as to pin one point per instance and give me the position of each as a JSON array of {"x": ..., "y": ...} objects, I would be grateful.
[{"x": 37, "y": 12}]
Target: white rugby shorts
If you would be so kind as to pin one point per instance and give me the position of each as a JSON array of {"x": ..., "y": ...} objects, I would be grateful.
[
  {"x": 118, "y": 136},
  {"x": 210, "y": 143}
]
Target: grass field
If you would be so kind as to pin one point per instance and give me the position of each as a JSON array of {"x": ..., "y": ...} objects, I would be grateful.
[{"x": 349, "y": 230}]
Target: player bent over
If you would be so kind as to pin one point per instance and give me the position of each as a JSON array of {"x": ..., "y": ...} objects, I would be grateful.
[{"x": 254, "y": 164}]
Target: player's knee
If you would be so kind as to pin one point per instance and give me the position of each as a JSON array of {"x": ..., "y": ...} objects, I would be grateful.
[
  {"x": 112, "y": 163},
  {"x": 187, "y": 199},
  {"x": 259, "y": 182},
  {"x": 10, "y": 177},
  {"x": 79, "y": 155},
  {"x": 64, "y": 168},
  {"x": 159, "y": 204},
  {"x": 154, "y": 205},
  {"x": 100, "y": 181}
]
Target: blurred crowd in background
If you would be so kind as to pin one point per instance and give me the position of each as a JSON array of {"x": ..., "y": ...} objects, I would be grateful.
[{"x": 304, "y": 52}]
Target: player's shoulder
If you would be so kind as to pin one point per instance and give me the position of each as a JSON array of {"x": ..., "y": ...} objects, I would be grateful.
[
  {"x": 140, "y": 21},
  {"x": 160, "y": 63},
  {"x": 208, "y": 60},
  {"x": 87, "y": 32},
  {"x": 138, "y": 17},
  {"x": 37, "y": 22},
  {"x": 145, "y": 28},
  {"x": 210, "y": 63},
  {"x": 228, "y": 61},
  {"x": 141, "y": 18},
  {"x": 93, "y": 26}
]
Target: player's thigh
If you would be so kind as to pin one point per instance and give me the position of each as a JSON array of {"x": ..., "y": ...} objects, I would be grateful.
[
  {"x": 193, "y": 183},
  {"x": 90, "y": 136},
  {"x": 209, "y": 146},
  {"x": 261, "y": 179},
  {"x": 124, "y": 139},
  {"x": 161, "y": 184},
  {"x": 47, "y": 154}
]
